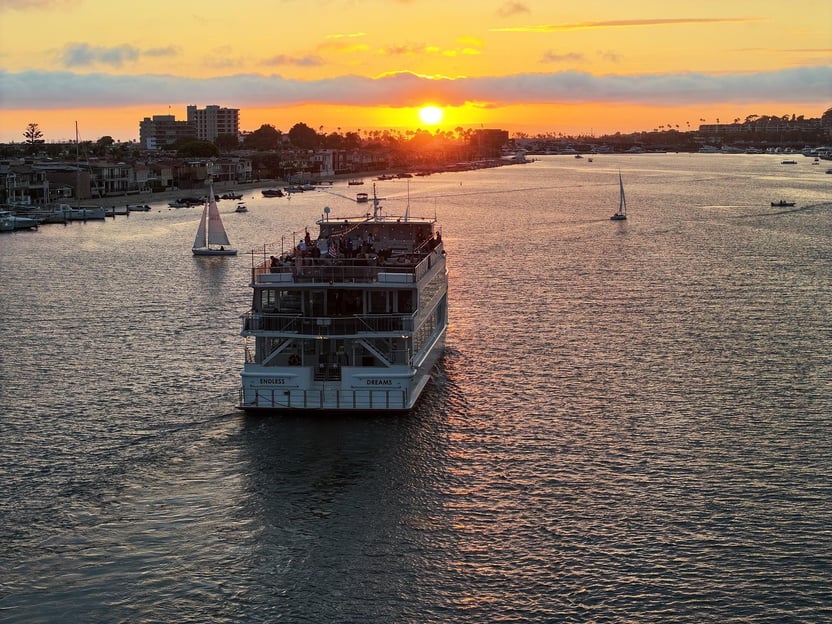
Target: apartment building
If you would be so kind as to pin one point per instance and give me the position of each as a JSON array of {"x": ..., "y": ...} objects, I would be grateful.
[
  {"x": 159, "y": 131},
  {"x": 213, "y": 120}
]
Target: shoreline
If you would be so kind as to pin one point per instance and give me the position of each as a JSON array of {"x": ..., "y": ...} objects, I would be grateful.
[{"x": 117, "y": 201}]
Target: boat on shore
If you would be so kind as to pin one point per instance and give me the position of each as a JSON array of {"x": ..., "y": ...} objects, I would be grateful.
[
  {"x": 353, "y": 321},
  {"x": 211, "y": 238},
  {"x": 782, "y": 204}
]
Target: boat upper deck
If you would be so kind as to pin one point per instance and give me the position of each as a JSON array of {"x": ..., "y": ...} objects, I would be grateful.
[{"x": 360, "y": 250}]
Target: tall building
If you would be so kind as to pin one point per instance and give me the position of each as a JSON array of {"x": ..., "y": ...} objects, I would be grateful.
[
  {"x": 213, "y": 120},
  {"x": 162, "y": 130}
]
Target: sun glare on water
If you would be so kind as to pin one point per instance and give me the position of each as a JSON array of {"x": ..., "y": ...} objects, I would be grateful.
[{"x": 430, "y": 115}]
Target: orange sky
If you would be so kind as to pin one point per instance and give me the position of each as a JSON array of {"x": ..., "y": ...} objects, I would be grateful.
[{"x": 534, "y": 66}]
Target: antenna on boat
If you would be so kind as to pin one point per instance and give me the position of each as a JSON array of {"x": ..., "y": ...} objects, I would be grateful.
[
  {"x": 407, "y": 209},
  {"x": 376, "y": 206}
]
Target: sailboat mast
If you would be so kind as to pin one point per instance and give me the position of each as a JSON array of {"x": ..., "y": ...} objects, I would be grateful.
[{"x": 77, "y": 166}]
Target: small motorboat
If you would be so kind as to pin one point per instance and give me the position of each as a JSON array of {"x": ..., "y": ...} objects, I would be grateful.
[{"x": 241, "y": 207}]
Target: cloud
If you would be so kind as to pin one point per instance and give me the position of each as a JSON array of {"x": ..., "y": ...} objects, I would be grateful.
[
  {"x": 568, "y": 57},
  {"x": 343, "y": 45},
  {"x": 346, "y": 35},
  {"x": 85, "y": 55},
  {"x": 167, "y": 51},
  {"x": 294, "y": 61},
  {"x": 512, "y": 8},
  {"x": 26, "y": 5},
  {"x": 547, "y": 28},
  {"x": 39, "y": 89},
  {"x": 408, "y": 49}
]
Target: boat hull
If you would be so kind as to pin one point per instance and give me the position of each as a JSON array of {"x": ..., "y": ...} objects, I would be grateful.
[
  {"x": 205, "y": 251},
  {"x": 275, "y": 390}
]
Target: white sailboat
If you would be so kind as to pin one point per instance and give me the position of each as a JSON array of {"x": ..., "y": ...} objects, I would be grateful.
[
  {"x": 211, "y": 239},
  {"x": 621, "y": 215}
]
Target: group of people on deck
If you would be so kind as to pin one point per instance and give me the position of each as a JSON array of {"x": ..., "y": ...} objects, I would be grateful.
[
  {"x": 339, "y": 246},
  {"x": 345, "y": 247}
]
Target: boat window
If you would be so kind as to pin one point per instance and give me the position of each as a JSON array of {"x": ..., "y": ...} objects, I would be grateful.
[
  {"x": 316, "y": 303},
  {"x": 267, "y": 300},
  {"x": 282, "y": 301},
  {"x": 378, "y": 302},
  {"x": 405, "y": 301},
  {"x": 343, "y": 302}
]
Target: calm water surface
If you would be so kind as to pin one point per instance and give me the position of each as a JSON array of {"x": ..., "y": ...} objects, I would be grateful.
[{"x": 633, "y": 420}]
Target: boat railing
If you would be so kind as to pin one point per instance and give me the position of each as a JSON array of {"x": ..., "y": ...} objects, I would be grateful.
[
  {"x": 428, "y": 262},
  {"x": 331, "y": 270},
  {"x": 340, "y": 399},
  {"x": 327, "y": 325}
]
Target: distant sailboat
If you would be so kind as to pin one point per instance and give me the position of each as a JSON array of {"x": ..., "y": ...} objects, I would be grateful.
[
  {"x": 211, "y": 239},
  {"x": 621, "y": 215}
]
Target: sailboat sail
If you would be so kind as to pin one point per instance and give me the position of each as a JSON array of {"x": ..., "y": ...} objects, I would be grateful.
[
  {"x": 622, "y": 205},
  {"x": 216, "y": 231},
  {"x": 201, "y": 239}
]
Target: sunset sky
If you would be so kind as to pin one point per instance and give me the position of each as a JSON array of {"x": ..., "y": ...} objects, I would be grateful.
[{"x": 536, "y": 66}]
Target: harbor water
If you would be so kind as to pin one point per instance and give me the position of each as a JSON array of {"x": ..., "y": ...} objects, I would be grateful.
[{"x": 632, "y": 421}]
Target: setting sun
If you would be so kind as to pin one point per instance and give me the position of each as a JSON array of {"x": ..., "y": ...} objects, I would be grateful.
[{"x": 430, "y": 115}]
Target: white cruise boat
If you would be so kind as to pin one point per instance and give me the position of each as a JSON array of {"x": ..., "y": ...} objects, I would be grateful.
[{"x": 352, "y": 321}]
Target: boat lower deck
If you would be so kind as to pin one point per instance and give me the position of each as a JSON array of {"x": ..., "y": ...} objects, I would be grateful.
[{"x": 327, "y": 400}]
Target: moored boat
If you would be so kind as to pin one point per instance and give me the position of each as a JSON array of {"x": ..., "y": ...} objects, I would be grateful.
[
  {"x": 10, "y": 222},
  {"x": 84, "y": 213},
  {"x": 351, "y": 321}
]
